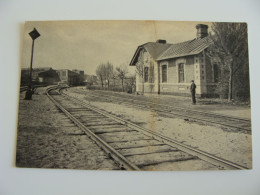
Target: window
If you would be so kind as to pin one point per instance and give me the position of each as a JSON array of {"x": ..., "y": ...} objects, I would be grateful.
[
  {"x": 181, "y": 73},
  {"x": 145, "y": 74},
  {"x": 216, "y": 75},
  {"x": 164, "y": 73}
]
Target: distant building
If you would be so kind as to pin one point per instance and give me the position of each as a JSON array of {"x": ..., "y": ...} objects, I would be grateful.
[
  {"x": 36, "y": 71},
  {"x": 49, "y": 77},
  {"x": 71, "y": 77},
  {"x": 81, "y": 75},
  {"x": 90, "y": 79},
  {"x": 169, "y": 68},
  {"x": 25, "y": 72},
  {"x": 80, "y": 72}
]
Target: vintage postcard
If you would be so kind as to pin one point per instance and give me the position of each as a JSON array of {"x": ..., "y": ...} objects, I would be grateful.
[{"x": 134, "y": 95}]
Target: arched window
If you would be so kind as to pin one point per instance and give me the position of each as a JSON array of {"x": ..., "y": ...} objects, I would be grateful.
[
  {"x": 216, "y": 73},
  {"x": 181, "y": 72},
  {"x": 145, "y": 74},
  {"x": 164, "y": 73}
]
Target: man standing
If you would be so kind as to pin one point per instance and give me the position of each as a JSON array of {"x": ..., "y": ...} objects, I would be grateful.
[{"x": 193, "y": 91}]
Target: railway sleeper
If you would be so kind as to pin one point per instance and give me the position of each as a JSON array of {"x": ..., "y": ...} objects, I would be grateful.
[
  {"x": 111, "y": 130},
  {"x": 116, "y": 138},
  {"x": 157, "y": 158},
  {"x": 142, "y": 152},
  {"x": 126, "y": 141},
  {"x": 135, "y": 144}
]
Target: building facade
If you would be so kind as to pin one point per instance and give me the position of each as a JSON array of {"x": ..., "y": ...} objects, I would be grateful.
[{"x": 169, "y": 68}]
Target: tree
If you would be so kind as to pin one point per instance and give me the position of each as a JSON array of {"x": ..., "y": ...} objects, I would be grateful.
[
  {"x": 100, "y": 72},
  {"x": 105, "y": 73},
  {"x": 109, "y": 69},
  {"x": 114, "y": 76},
  {"x": 230, "y": 49},
  {"x": 121, "y": 73}
]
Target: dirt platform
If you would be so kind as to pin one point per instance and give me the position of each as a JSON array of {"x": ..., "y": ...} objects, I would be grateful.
[
  {"x": 233, "y": 146},
  {"x": 48, "y": 139}
]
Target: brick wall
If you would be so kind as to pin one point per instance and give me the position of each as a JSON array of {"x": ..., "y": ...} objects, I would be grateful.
[
  {"x": 172, "y": 72},
  {"x": 172, "y": 85},
  {"x": 209, "y": 71},
  {"x": 189, "y": 69}
]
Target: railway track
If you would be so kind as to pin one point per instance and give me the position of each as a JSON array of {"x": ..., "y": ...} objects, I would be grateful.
[
  {"x": 226, "y": 121},
  {"x": 24, "y": 88},
  {"x": 132, "y": 147}
]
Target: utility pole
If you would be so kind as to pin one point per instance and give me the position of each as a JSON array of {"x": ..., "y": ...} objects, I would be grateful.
[{"x": 28, "y": 95}]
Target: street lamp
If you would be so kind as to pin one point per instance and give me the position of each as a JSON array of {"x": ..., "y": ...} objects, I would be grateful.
[{"x": 28, "y": 95}]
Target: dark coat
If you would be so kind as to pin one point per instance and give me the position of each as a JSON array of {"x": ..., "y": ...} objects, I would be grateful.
[{"x": 192, "y": 88}]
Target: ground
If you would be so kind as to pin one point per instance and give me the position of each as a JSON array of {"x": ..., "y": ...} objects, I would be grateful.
[
  {"x": 233, "y": 146},
  {"x": 47, "y": 139}
]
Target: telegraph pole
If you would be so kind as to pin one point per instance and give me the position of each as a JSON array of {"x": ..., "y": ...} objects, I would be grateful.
[{"x": 34, "y": 35}]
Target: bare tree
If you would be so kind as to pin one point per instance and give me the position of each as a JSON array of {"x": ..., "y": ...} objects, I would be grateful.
[
  {"x": 230, "y": 48},
  {"x": 121, "y": 73},
  {"x": 114, "y": 77},
  {"x": 109, "y": 69},
  {"x": 105, "y": 73},
  {"x": 100, "y": 72}
]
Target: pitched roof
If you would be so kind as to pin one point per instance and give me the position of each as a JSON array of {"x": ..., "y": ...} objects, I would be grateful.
[
  {"x": 154, "y": 49},
  {"x": 160, "y": 51},
  {"x": 187, "y": 48}
]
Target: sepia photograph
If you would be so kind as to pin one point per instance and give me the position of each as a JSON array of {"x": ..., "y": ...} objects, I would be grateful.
[{"x": 137, "y": 95}]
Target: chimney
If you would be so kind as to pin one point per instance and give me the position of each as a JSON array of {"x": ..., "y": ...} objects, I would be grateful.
[
  {"x": 202, "y": 31},
  {"x": 161, "y": 41}
]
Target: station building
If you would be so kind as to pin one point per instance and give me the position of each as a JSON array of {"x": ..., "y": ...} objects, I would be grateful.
[{"x": 169, "y": 68}]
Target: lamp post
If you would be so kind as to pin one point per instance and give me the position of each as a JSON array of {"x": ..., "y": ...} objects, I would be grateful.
[{"x": 34, "y": 35}]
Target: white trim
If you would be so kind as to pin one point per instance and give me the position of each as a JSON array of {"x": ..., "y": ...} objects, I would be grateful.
[
  {"x": 149, "y": 83},
  {"x": 175, "y": 83}
]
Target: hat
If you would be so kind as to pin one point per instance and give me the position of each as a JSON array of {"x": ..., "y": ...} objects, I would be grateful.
[{"x": 192, "y": 80}]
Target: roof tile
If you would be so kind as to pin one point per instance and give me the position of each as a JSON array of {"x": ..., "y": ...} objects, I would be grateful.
[{"x": 191, "y": 47}]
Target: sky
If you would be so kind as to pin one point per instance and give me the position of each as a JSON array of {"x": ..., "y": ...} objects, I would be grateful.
[{"x": 84, "y": 45}]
